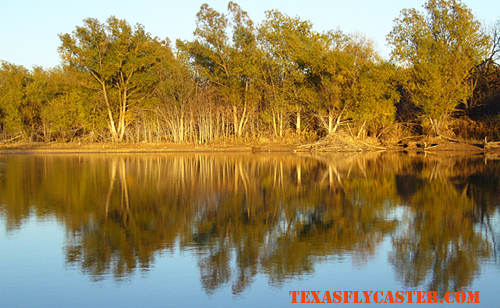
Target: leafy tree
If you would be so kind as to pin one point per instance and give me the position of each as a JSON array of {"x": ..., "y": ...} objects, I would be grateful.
[
  {"x": 286, "y": 42},
  {"x": 351, "y": 82},
  {"x": 175, "y": 90},
  {"x": 246, "y": 57},
  {"x": 230, "y": 66},
  {"x": 440, "y": 48},
  {"x": 370, "y": 89},
  {"x": 22, "y": 95},
  {"x": 66, "y": 113},
  {"x": 14, "y": 80},
  {"x": 119, "y": 58},
  {"x": 326, "y": 75}
]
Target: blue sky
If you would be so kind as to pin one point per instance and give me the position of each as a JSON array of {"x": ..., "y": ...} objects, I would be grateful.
[{"x": 29, "y": 28}]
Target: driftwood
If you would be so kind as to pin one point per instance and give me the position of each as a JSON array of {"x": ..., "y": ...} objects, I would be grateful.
[
  {"x": 452, "y": 139},
  {"x": 430, "y": 147},
  {"x": 372, "y": 146},
  {"x": 425, "y": 146},
  {"x": 490, "y": 144}
]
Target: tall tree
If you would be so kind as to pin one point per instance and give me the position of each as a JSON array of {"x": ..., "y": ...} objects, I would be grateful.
[
  {"x": 119, "y": 59},
  {"x": 370, "y": 88},
  {"x": 65, "y": 110},
  {"x": 326, "y": 75},
  {"x": 440, "y": 48},
  {"x": 351, "y": 82},
  {"x": 22, "y": 95},
  {"x": 14, "y": 80},
  {"x": 175, "y": 90},
  {"x": 227, "y": 65},
  {"x": 245, "y": 57},
  {"x": 286, "y": 41}
]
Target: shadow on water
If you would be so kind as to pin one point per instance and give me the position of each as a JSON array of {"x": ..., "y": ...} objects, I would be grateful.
[{"x": 249, "y": 214}]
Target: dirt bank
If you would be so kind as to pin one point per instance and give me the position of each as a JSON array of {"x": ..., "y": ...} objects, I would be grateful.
[{"x": 325, "y": 145}]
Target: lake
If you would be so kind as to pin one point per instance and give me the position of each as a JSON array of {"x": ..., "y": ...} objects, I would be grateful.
[{"x": 247, "y": 230}]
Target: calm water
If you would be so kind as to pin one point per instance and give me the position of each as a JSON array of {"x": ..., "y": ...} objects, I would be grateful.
[{"x": 242, "y": 230}]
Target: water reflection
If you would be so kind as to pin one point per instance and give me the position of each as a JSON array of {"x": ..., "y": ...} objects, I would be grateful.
[
  {"x": 250, "y": 214},
  {"x": 438, "y": 246}
]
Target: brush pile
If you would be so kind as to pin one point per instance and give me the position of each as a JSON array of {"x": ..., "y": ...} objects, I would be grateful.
[{"x": 342, "y": 142}]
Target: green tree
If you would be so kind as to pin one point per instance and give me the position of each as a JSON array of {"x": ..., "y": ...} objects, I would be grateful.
[
  {"x": 440, "y": 48},
  {"x": 14, "y": 80},
  {"x": 326, "y": 75},
  {"x": 22, "y": 95},
  {"x": 229, "y": 66},
  {"x": 351, "y": 82},
  {"x": 245, "y": 57},
  {"x": 119, "y": 58},
  {"x": 370, "y": 89},
  {"x": 65, "y": 112},
  {"x": 175, "y": 90},
  {"x": 286, "y": 42}
]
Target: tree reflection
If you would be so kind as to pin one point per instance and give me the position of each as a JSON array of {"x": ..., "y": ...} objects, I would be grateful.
[
  {"x": 438, "y": 245},
  {"x": 275, "y": 215}
]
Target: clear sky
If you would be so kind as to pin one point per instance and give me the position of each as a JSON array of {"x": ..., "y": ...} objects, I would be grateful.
[{"x": 29, "y": 28}]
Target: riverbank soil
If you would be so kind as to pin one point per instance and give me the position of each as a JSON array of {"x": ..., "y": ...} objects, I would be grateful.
[
  {"x": 327, "y": 144},
  {"x": 55, "y": 147}
]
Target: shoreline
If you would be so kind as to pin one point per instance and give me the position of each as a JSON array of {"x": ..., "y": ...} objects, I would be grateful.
[{"x": 138, "y": 148}]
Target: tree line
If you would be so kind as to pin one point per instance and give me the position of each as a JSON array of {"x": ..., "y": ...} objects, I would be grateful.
[{"x": 276, "y": 80}]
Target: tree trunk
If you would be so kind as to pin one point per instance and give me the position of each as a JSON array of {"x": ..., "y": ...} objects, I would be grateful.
[
  {"x": 330, "y": 123},
  {"x": 239, "y": 123},
  {"x": 274, "y": 125},
  {"x": 298, "y": 122},
  {"x": 280, "y": 119},
  {"x": 123, "y": 110},
  {"x": 435, "y": 126},
  {"x": 111, "y": 123}
]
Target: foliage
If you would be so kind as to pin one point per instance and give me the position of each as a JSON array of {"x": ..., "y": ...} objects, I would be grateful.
[
  {"x": 14, "y": 105},
  {"x": 440, "y": 48},
  {"x": 286, "y": 43},
  {"x": 229, "y": 65},
  {"x": 119, "y": 58},
  {"x": 238, "y": 81}
]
